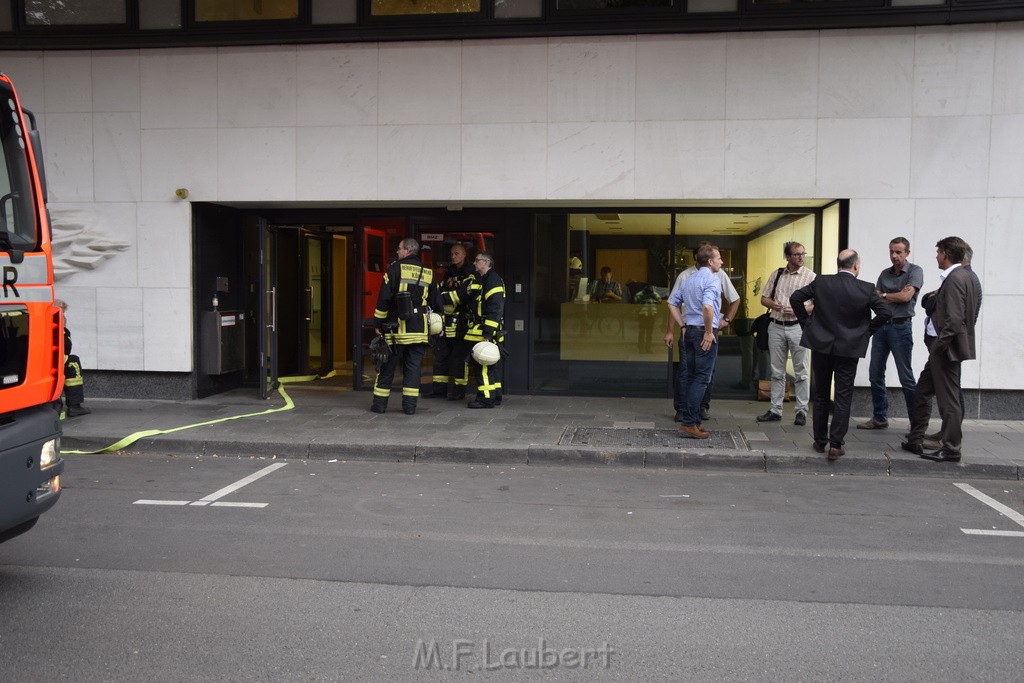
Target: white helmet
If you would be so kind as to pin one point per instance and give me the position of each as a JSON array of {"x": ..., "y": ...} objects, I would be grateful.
[
  {"x": 434, "y": 324},
  {"x": 486, "y": 353}
]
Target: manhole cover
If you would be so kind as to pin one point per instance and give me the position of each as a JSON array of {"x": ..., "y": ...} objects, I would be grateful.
[{"x": 643, "y": 438}]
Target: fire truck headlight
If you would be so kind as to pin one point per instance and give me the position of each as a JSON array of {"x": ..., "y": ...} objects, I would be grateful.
[{"x": 49, "y": 454}]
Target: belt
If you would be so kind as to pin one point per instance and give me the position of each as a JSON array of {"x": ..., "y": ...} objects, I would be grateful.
[
  {"x": 897, "y": 321},
  {"x": 701, "y": 328},
  {"x": 787, "y": 323}
]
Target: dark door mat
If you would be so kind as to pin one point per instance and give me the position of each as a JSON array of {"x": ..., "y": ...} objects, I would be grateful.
[{"x": 648, "y": 438}]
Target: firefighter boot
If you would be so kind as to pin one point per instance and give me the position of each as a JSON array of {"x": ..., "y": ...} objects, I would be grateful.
[
  {"x": 409, "y": 405},
  {"x": 481, "y": 402},
  {"x": 75, "y": 411},
  {"x": 436, "y": 390},
  {"x": 456, "y": 393},
  {"x": 379, "y": 405}
]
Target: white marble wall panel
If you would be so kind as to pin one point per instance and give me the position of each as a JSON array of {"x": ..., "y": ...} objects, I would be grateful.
[
  {"x": 420, "y": 83},
  {"x": 1006, "y": 164},
  {"x": 1000, "y": 343},
  {"x": 81, "y": 321},
  {"x": 950, "y": 156},
  {"x": 866, "y": 74},
  {"x": 419, "y": 162},
  {"x": 105, "y": 250},
  {"x": 1007, "y": 84},
  {"x": 336, "y": 85},
  {"x": 68, "y": 153},
  {"x": 939, "y": 218},
  {"x": 505, "y": 81},
  {"x": 256, "y": 164},
  {"x": 592, "y": 79},
  {"x": 680, "y": 77},
  {"x": 863, "y": 157},
  {"x": 680, "y": 159},
  {"x": 26, "y": 70},
  {"x": 68, "y": 82},
  {"x": 766, "y": 158},
  {"x": 1003, "y": 248},
  {"x": 772, "y": 75},
  {"x": 120, "y": 333},
  {"x": 256, "y": 86},
  {"x": 165, "y": 245},
  {"x": 167, "y": 323},
  {"x": 591, "y": 160},
  {"x": 504, "y": 160},
  {"x": 337, "y": 163},
  {"x": 175, "y": 158},
  {"x": 179, "y": 88},
  {"x": 953, "y": 70},
  {"x": 116, "y": 84},
  {"x": 117, "y": 164},
  {"x": 873, "y": 222}
]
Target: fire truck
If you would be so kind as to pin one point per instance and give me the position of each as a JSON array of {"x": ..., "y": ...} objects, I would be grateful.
[{"x": 31, "y": 328}]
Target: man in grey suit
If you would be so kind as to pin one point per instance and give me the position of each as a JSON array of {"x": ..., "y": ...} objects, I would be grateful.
[
  {"x": 837, "y": 334},
  {"x": 953, "y": 320}
]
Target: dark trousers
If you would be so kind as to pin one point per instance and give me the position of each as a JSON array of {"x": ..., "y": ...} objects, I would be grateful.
[
  {"x": 825, "y": 367},
  {"x": 696, "y": 371},
  {"x": 488, "y": 379},
  {"x": 679, "y": 387},
  {"x": 940, "y": 380},
  {"x": 449, "y": 364},
  {"x": 409, "y": 356}
]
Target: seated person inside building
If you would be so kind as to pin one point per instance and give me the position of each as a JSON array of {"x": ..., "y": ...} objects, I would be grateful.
[{"x": 607, "y": 290}]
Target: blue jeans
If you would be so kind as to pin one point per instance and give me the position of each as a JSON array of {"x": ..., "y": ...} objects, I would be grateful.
[
  {"x": 897, "y": 339},
  {"x": 695, "y": 371},
  {"x": 679, "y": 389}
]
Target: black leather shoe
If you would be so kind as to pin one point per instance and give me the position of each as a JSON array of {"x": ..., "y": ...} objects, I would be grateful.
[
  {"x": 477, "y": 404},
  {"x": 915, "y": 448},
  {"x": 800, "y": 420},
  {"x": 819, "y": 446},
  {"x": 769, "y": 416},
  {"x": 75, "y": 411},
  {"x": 942, "y": 455}
]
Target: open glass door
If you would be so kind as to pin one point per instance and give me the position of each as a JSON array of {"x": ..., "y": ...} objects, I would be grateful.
[
  {"x": 267, "y": 322},
  {"x": 316, "y": 318}
]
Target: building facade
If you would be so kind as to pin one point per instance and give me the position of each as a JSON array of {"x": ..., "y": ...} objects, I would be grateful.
[{"x": 277, "y": 178}]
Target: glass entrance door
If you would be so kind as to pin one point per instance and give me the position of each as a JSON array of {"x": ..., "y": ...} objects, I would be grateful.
[{"x": 316, "y": 314}]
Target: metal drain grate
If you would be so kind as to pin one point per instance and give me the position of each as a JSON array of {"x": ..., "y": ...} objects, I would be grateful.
[{"x": 643, "y": 438}]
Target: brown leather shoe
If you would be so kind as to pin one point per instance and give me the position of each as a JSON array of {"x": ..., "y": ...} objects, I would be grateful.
[
  {"x": 873, "y": 424},
  {"x": 836, "y": 452},
  {"x": 911, "y": 447},
  {"x": 930, "y": 444},
  {"x": 694, "y": 432}
]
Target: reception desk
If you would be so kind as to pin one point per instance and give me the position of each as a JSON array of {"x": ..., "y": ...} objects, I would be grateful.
[{"x": 611, "y": 331}]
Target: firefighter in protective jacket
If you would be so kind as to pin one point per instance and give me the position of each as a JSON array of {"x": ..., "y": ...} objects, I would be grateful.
[
  {"x": 406, "y": 297},
  {"x": 484, "y": 299},
  {"x": 450, "y": 349}
]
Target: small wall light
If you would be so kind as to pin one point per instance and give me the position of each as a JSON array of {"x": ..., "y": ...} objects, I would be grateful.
[{"x": 181, "y": 193}]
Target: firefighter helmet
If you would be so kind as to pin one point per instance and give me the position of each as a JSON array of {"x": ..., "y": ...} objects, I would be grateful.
[
  {"x": 486, "y": 353},
  {"x": 434, "y": 324}
]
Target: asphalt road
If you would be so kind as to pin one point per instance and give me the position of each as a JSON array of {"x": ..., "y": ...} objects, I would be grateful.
[{"x": 170, "y": 569}]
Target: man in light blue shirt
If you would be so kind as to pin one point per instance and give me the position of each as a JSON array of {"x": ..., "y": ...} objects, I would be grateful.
[{"x": 696, "y": 305}]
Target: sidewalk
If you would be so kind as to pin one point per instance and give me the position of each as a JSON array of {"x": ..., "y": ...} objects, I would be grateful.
[{"x": 548, "y": 430}]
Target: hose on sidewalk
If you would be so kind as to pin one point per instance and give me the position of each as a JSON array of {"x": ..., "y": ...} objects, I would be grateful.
[{"x": 132, "y": 438}]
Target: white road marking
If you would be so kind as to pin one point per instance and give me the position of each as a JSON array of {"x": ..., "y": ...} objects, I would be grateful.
[
  {"x": 674, "y": 495},
  {"x": 210, "y": 499},
  {"x": 992, "y": 503},
  {"x": 993, "y": 532},
  {"x": 161, "y": 502},
  {"x": 242, "y": 482}
]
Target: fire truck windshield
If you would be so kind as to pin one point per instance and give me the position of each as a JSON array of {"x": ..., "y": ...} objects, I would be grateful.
[{"x": 18, "y": 226}]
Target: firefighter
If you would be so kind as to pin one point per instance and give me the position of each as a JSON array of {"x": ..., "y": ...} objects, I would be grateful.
[
  {"x": 74, "y": 383},
  {"x": 450, "y": 349},
  {"x": 405, "y": 297},
  {"x": 484, "y": 299}
]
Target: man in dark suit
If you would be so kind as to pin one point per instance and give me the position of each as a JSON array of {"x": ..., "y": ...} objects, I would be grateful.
[
  {"x": 953, "y": 320},
  {"x": 837, "y": 334}
]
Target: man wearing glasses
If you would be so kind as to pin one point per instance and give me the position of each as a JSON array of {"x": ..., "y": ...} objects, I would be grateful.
[{"x": 784, "y": 334}]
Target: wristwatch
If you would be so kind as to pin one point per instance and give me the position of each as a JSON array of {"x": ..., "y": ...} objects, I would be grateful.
[{"x": 726, "y": 318}]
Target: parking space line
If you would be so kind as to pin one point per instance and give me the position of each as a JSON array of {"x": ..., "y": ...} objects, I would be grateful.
[
  {"x": 1004, "y": 510},
  {"x": 212, "y": 499}
]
